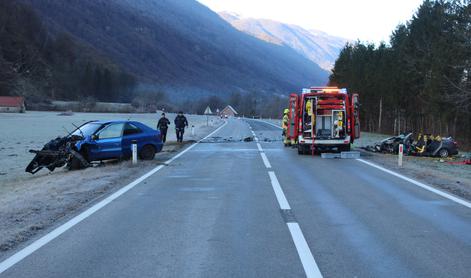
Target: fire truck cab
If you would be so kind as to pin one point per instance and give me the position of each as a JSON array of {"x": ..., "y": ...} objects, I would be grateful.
[{"x": 327, "y": 119}]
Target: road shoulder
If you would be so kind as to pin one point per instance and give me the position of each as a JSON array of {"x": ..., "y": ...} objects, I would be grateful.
[{"x": 32, "y": 207}]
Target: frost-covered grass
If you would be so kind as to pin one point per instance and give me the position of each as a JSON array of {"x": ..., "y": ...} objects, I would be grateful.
[{"x": 21, "y": 132}]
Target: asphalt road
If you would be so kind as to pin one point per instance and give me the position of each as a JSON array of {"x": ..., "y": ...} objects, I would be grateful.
[{"x": 229, "y": 208}]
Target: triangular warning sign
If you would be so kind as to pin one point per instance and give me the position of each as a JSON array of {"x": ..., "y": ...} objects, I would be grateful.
[{"x": 208, "y": 111}]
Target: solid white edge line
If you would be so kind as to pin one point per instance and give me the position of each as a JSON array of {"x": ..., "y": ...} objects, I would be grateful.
[
  {"x": 28, "y": 250},
  {"x": 265, "y": 160},
  {"x": 307, "y": 259},
  {"x": 422, "y": 185},
  {"x": 259, "y": 147},
  {"x": 280, "y": 196}
]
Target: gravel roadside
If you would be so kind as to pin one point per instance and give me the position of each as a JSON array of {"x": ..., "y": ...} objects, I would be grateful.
[{"x": 436, "y": 172}]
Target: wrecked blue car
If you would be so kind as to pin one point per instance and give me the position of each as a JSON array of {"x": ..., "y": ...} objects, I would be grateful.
[{"x": 97, "y": 141}]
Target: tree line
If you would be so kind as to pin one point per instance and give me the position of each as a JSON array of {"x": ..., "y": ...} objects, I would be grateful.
[
  {"x": 39, "y": 64},
  {"x": 421, "y": 80}
]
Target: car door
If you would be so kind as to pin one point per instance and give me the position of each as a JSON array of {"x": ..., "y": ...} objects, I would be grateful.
[
  {"x": 131, "y": 132},
  {"x": 109, "y": 141}
]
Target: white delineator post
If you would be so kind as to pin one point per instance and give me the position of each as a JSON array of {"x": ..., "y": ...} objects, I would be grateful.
[
  {"x": 192, "y": 130},
  {"x": 134, "y": 152},
  {"x": 401, "y": 153}
]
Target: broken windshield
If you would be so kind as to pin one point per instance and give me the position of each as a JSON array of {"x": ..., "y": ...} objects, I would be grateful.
[{"x": 86, "y": 129}]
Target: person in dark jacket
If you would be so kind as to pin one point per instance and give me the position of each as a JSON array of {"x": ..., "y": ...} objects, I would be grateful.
[
  {"x": 180, "y": 124},
  {"x": 162, "y": 125}
]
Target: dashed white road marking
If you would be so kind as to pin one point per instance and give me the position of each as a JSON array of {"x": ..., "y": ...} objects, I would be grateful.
[
  {"x": 259, "y": 147},
  {"x": 422, "y": 185},
  {"x": 265, "y": 160},
  {"x": 28, "y": 250},
  {"x": 307, "y": 260},
  {"x": 280, "y": 196}
]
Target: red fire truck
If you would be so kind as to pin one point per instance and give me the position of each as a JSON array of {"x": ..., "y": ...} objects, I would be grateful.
[{"x": 323, "y": 118}]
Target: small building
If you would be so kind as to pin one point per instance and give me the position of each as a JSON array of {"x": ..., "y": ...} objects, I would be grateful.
[
  {"x": 229, "y": 111},
  {"x": 12, "y": 104}
]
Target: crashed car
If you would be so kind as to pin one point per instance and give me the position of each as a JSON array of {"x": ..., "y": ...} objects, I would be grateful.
[
  {"x": 424, "y": 146},
  {"x": 435, "y": 147},
  {"x": 97, "y": 141},
  {"x": 391, "y": 144}
]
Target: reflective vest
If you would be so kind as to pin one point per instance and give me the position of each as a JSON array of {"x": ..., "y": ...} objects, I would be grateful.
[
  {"x": 285, "y": 121},
  {"x": 309, "y": 107}
]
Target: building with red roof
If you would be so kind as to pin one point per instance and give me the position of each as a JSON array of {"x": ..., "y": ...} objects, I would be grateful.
[{"x": 12, "y": 104}]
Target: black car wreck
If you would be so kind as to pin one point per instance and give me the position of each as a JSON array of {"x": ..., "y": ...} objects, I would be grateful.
[{"x": 425, "y": 145}]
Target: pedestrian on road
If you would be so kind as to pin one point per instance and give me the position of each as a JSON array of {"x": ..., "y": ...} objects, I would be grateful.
[
  {"x": 180, "y": 124},
  {"x": 162, "y": 125}
]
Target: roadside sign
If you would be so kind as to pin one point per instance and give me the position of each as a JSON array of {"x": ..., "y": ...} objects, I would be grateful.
[
  {"x": 401, "y": 152},
  {"x": 208, "y": 111}
]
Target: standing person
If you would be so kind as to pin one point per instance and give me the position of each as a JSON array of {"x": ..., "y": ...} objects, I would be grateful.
[
  {"x": 163, "y": 126},
  {"x": 284, "y": 126},
  {"x": 180, "y": 124}
]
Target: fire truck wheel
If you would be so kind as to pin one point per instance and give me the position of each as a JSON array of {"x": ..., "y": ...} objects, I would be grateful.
[{"x": 300, "y": 150}]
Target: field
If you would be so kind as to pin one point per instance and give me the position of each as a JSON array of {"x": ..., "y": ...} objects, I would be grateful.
[
  {"x": 31, "y": 130},
  {"x": 32, "y": 203}
]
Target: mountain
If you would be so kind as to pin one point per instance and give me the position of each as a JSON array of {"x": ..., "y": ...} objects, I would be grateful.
[
  {"x": 180, "y": 46},
  {"x": 319, "y": 47},
  {"x": 41, "y": 66}
]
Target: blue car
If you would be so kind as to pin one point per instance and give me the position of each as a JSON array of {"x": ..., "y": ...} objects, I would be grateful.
[{"x": 102, "y": 140}]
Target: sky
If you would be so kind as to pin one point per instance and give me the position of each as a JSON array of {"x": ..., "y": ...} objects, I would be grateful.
[{"x": 367, "y": 20}]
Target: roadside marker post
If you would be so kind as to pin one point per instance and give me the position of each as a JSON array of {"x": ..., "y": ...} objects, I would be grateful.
[
  {"x": 134, "y": 152},
  {"x": 401, "y": 152},
  {"x": 192, "y": 130}
]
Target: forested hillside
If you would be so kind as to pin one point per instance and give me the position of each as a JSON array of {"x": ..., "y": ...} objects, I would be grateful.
[
  {"x": 40, "y": 65},
  {"x": 421, "y": 81},
  {"x": 181, "y": 47}
]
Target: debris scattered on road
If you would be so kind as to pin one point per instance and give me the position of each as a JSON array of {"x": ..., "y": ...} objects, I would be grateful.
[
  {"x": 248, "y": 139},
  {"x": 464, "y": 162},
  {"x": 217, "y": 139},
  {"x": 350, "y": 155},
  {"x": 330, "y": 155},
  {"x": 342, "y": 155}
]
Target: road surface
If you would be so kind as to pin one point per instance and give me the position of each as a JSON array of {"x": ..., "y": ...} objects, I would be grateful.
[{"x": 229, "y": 208}]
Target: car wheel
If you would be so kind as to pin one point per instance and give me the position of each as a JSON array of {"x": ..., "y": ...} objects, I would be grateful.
[
  {"x": 443, "y": 153},
  {"x": 147, "y": 152},
  {"x": 78, "y": 161}
]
